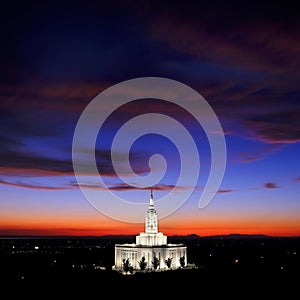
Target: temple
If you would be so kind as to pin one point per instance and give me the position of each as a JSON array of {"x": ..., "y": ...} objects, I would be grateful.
[{"x": 151, "y": 250}]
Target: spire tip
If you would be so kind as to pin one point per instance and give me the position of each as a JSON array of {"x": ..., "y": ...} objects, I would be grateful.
[{"x": 151, "y": 197}]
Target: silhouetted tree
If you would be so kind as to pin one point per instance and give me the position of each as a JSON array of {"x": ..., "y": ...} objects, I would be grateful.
[
  {"x": 155, "y": 262},
  {"x": 168, "y": 262},
  {"x": 143, "y": 263},
  {"x": 126, "y": 265},
  {"x": 182, "y": 261}
]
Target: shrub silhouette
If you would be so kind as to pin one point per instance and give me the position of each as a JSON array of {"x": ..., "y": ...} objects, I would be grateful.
[
  {"x": 155, "y": 262},
  {"x": 168, "y": 262},
  {"x": 143, "y": 263}
]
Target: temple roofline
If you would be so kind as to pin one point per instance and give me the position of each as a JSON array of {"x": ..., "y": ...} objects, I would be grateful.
[{"x": 150, "y": 247}]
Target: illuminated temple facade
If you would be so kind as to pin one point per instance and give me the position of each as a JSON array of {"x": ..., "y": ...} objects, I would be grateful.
[{"x": 151, "y": 246}]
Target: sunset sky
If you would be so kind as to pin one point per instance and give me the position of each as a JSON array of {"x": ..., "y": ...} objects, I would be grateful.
[{"x": 243, "y": 58}]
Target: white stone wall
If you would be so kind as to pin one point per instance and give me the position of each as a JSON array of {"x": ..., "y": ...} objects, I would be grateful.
[
  {"x": 148, "y": 239},
  {"x": 135, "y": 254}
]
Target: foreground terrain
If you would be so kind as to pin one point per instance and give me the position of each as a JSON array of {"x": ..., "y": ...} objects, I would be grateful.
[{"x": 74, "y": 264}]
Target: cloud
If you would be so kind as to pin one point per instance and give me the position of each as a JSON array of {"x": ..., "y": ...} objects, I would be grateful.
[
  {"x": 222, "y": 191},
  {"x": 106, "y": 168},
  {"x": 29, "y": 165},
  {"x": 258, "y": 154},
  {"x": 242, "y": 34},
  {"x": 18, "y": 168},
  {"x": 297, "y": 179},
  {"x": 66, "y": 184},
  {"x": 19, "y": 124},
  {"x": 125, "y": 187},
  {"x": 26, "y": 164},
  {"x": 38, "y": 107},
  {"x": 32, "y": 186},
  {"x": 244, "y": 60},
  {"x": 31, "y": 172},
  {"x": 279, "y": 127},
  {"x": 9, "y": 143},
  {"x": 160, "y": 187},
  {"x": 144, "y": 106},
  {"x": 49, "y": 96},
  {"x": 271, "y": 185},
  {"x": 85, "y": 186},
  {"x": 246, "y": 64}
]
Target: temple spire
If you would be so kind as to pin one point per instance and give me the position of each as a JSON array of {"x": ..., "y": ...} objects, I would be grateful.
[
  {"x": 151, "y": 224},
  {"x": 151, "y": 198}
]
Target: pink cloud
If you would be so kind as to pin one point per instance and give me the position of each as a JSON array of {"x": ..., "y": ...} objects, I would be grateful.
[
  {"x": 280, "y": 127},
  {"x": 50, "y": 96},
  {"x": 255, "y": 155},
  {"x": 126, "y": 187},
  {"x": 271, "y": 185},
  {"x": 222, "y": 191},
  {"x": 32, "y": 186}
]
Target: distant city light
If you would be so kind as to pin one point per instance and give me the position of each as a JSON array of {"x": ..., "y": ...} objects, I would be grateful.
[
  {"x": 236, "y": 261},
  {"x": 36, "y": 247}
]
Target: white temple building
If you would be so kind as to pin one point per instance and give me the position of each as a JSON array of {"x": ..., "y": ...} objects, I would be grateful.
[{"x": 151, "y": 246}]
